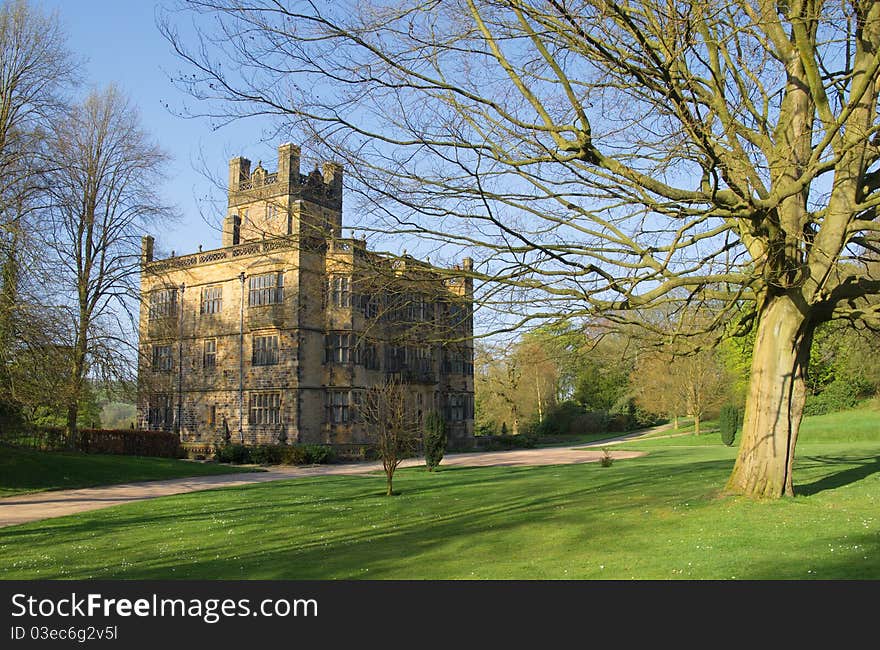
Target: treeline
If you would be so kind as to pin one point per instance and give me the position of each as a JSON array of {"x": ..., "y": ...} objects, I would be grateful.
[
  {"x": 563, "y": 379},
  {"x": 78, "y": 187}
]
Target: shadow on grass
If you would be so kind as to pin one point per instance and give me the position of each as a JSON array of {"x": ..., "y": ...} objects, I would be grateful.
[
  {"x": 455, "y": 523},
  {"x": 864, "y": 467},
  {"x": 340, "y": 528}
]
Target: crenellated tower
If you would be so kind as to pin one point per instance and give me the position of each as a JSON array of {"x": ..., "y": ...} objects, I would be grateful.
[{"x": 286, "y": 202}]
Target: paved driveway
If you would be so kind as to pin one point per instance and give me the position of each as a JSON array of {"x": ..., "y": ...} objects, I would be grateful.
[{"x": 44, "y": 505}]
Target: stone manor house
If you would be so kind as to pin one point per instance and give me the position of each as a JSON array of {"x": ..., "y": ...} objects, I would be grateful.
[{"x": 275, "y": 336}]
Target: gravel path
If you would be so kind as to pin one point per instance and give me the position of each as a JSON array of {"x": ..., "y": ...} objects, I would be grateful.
[{"x": 44, "y": 505}]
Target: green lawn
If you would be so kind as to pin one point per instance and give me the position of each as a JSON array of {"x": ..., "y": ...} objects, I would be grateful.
[
  {"x": 25, "y": 470},
  {"x": 659, "y": 516}
]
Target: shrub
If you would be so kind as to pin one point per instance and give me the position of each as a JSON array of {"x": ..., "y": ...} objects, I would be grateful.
[
  {"x": 590, "y": 422},
  {"x": 236, "y": 453},
  {"x": 607, "y": 459},
  {"x": 266, "y": 454},
  {"x": 522, "y": 441},
  {"x": 485, "y": 428},
  {"x": 839, "y": 395},
  {"x": 318, "y": 454},
  {"x": 559, "y": 420},
  {"x": 435, "y": 440},
  {"x": 728, "y": 423},
  {"x": 128, "y": 442},
  {"x": 292, "y": 455}
]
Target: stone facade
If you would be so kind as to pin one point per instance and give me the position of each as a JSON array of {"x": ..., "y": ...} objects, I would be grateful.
[{"x": 275, "y": 335}]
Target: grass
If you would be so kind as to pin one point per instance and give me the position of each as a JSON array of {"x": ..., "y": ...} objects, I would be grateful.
[
  {"x": 655, "y": 517},
  {"x": 26, "y": 470}
]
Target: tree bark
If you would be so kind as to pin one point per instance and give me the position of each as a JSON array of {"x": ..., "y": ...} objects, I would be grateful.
[
  {"x": 775, "y": 402},
  {"x": 78, "y": 369},
  {"x": 696, "y": 424}
]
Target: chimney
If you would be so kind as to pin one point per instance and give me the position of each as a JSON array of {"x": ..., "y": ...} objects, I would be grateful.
[
  {"x": 239, "y": 170},
  {"x": 288, "y": 164},
  {"x": 147, "y": 249},
  {"x": 333, "y": 175}
]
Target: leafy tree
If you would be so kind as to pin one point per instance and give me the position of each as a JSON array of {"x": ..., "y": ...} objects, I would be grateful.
[
  {"x": 435, "y": 440},
  {"x": 600, "y": 386},
  {"x": 602, "y": 158}
]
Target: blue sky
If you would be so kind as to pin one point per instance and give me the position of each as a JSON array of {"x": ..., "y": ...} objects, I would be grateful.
[{"x": 120, "y": 44}]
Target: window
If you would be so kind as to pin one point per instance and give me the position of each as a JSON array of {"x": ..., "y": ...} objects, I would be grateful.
[
  {"x": 162, "y": 360},
  {"x": 265, "y": 408},
  {"x": 416, "y": 309},
  {"x": 458, "y": 317},
  {"x": 370, "y": 356},
  {"x": 395, "y": 358},
  {"x": 209, "y": 357},
  {"x": 212, "y": 300},
  {"x": 420, "y": 359},
  {"x": 337, "y": 348},
  {"x": 266, "y": 289},
  {"x": 236, "y": 230},
  {"x": 265, "y": 351},
  {"x": 338, "y": 408},
  {"x": 459, "y": 407},
  {"x": 369, "y": 305},
  {"x": 212, "y": 415},
  {"x": 163, "y": 303},
  {"x": 160, "y": 413},
  {"x": 340, "y": 291},
  {"x": 457, "y": 361},
  {"x": 270, "y": 211}
]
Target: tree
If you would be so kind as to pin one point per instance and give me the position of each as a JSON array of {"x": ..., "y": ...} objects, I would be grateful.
[
  {"x": 678, "y": 377},
  {"x": 603, "y": 157},
  {"x": 102, "y": 193},
  {"x": 392, "y": 423},
  {"x": 655, "y": 387},
  {"x": 435, "y": 440},
  {"x": 519, "y": 382},
  {"x": 35, "y": 71},
  {"x": 728, "y": 423},
  {"x": 499, "y": 385}
]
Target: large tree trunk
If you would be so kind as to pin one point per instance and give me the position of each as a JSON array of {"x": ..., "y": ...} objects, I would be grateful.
[
  {"x": 696, "y": 424},
  {"x": 775, "y": 402},
  {"x": 78, "y": 371}
]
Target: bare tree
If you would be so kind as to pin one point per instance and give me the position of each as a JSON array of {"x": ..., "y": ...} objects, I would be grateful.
[
  {"x": 691, "y": 384},
  {"x": 603, "y": 157},
  {"x": 35, "y": 71},
  {"x": 391, "y": 421},
  {"x": 103, "y": 191}
]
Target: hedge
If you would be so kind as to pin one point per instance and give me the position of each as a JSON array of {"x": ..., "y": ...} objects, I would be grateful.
[{"x": 126, "y": 442}]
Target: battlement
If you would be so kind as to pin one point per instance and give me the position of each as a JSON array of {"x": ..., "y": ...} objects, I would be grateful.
[{"x": 323, "y": 187}]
